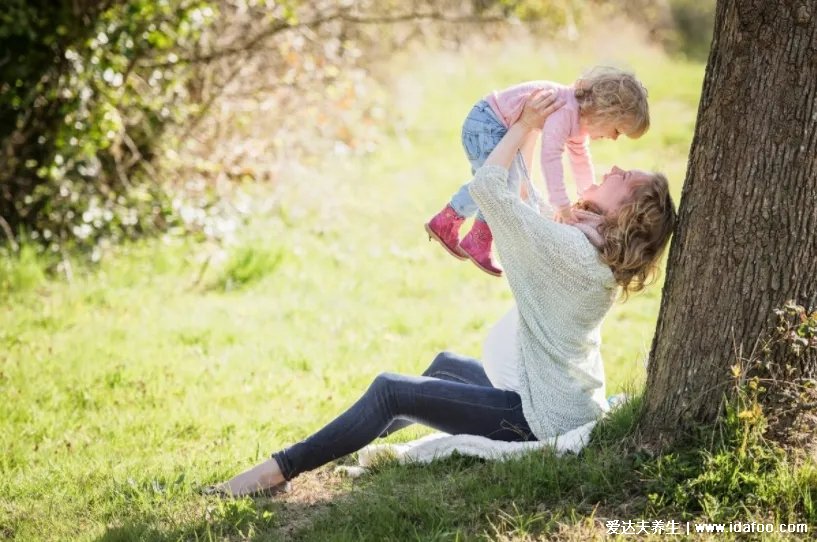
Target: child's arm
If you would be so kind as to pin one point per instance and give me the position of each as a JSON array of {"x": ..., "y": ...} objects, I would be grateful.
[{"x": 578, "y": 151}]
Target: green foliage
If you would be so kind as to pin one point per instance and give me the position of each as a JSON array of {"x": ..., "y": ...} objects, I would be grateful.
[
  {"x": 22, "y": 270},
  {"x": 782, "y": 376},
  {"x": 796, "y": 329},
  {"x": 86, "y": 91},
  {"x": 740, "y": 475},
  {"x": 683, "y": 27},
  {"x": 248, "y": 265},
  {"x": 240, "y": 518},
  {"x": 555, "y": 14},
  {"x": 693, "y": 22},
  {"x": 90, "y": 90},
  {"x": 721, "y": 482},
  {"x": 738, "y": 469}
]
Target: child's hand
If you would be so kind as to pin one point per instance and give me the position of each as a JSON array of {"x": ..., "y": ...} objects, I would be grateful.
[
  {"x": 539, "y": 107},
  {"x": 564, "y": 215}
]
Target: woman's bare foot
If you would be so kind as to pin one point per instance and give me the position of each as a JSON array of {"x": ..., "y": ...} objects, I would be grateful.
[{"x": 262, "y": 477}]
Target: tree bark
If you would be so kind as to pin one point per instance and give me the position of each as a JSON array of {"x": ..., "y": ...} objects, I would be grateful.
[{"x": 746, "y": 239}]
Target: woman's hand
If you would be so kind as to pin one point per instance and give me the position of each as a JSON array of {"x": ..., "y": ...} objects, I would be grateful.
[
  {"x": 538, "y": 107},
  {"x": 564, "y": 215}
]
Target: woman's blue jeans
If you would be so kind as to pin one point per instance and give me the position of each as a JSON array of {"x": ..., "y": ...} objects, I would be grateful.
[
  {"x": 481, "y": 132},
  {"x": 454, "y": 395}
]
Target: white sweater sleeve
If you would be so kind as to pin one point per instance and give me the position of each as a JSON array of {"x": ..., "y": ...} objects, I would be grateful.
[{"x": 524, "y": 239}]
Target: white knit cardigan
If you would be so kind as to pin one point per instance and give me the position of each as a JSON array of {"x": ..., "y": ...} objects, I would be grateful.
[{"x": 562, "y": 290}]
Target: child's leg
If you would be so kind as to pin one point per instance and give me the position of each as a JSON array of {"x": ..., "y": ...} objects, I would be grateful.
[
  {"x": 463, "y": 203},
  {"x": 477, "y": 244},
  {"x": 481, "y": 132}
]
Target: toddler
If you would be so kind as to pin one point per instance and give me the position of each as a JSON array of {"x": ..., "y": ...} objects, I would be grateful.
[{"x": 604, "y": 103}]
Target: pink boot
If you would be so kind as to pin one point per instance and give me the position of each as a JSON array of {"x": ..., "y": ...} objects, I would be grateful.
[
  {"x": 445, "y": 228},
  {"x": 477, "y": 245}
]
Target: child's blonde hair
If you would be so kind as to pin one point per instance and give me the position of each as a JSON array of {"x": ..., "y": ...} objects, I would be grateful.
[
  {"x": 636, "y": 234},
  {"x": 609, "y": 95}
]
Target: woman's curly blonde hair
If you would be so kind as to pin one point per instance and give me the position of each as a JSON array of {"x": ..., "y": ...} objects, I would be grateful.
[
  {"x": 611, "y": 96},
  {"x": 637, "y": 233}
]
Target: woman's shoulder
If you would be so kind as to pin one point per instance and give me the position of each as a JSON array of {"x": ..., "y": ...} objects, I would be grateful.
[{"x": 582, "y": 257}]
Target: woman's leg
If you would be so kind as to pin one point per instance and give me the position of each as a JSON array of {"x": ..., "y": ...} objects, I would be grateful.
[
  {"x": 457, "y": 368},
  {"x": 454, "y": 368},
  {"x": 452, "y": 407}
]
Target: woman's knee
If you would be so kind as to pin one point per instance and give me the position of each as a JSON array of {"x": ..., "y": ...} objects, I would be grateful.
[
  {"x": 385, "y": 389},
  {"x": 440, "y": 362},
  {"x": 383, "y": 382}
]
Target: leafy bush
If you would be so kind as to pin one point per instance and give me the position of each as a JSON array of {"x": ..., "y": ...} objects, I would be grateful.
[
  {"x": 109, "y": 109},
  {"x": 86, "y": 90},
  {"x": 682, "y": 27},
  {"x": 89, "y": 92}
]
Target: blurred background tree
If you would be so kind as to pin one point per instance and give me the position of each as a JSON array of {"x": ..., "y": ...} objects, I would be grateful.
[{"x": 120, "y": 118}]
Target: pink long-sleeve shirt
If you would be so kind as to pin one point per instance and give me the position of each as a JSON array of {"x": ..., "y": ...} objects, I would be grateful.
[{"x": 560, "y": 131}]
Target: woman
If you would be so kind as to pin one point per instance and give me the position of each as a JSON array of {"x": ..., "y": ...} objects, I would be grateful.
[{"x": 542, "y": 373}]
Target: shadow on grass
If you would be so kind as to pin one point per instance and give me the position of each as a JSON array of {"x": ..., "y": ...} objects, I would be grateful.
[
  {"x": 244, "y": 519},
  {"x": 536, "y": 496},
  {"x": 466, "y": 498},
  {"x": 458, "y": 498},
  {"x": 176, "y": 514}
]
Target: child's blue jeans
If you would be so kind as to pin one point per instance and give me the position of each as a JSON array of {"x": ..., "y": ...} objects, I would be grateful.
[
  {"x": 481, "y": 132},
  {"x": 453, "y": 395}
]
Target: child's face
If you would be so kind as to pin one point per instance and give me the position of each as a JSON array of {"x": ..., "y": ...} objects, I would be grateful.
[{"x": 603, "y": 130}]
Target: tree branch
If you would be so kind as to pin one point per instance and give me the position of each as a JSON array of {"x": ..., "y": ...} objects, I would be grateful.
[
  {"x": 7, "y": 230},
  {"x": 282, "y": 26}
]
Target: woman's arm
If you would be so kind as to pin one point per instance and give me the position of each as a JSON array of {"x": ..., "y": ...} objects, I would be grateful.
[
  {"x": 527, "y": 149},
  {"x": 541, "y": 104},
  {"x": 527, "y": 156},
  {"x": 505, "y": 151}
]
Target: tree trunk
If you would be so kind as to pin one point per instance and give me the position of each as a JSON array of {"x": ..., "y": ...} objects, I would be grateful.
[{"x": 746, "y": 240}]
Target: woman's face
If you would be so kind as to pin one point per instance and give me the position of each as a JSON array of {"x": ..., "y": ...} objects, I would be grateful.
[{"x": 614, "y": 189}]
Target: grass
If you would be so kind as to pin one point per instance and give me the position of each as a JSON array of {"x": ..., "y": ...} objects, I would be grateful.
[{"x": 173, "y": 364}]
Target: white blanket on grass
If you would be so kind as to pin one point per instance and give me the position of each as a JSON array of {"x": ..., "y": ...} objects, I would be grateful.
[{"x": 441, "y": 445}]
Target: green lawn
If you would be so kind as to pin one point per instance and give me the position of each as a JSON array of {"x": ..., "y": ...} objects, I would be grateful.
[{"x": 127, "y": 387}]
